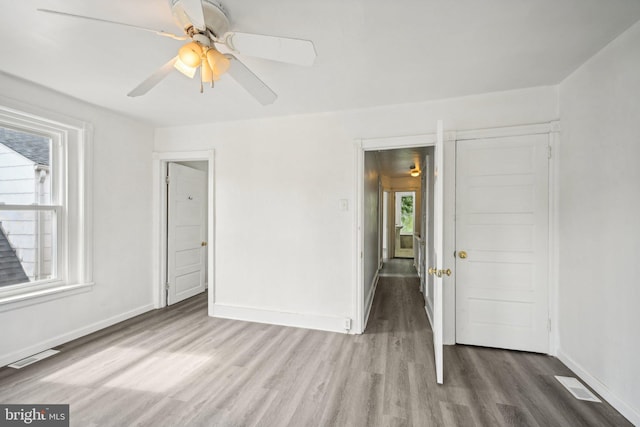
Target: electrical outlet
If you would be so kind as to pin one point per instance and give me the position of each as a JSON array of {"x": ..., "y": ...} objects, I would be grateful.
[{"x": 347, "y": 324}]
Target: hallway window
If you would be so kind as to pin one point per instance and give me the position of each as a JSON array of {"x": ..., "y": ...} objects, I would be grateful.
[{"x": 406, "y": 216}]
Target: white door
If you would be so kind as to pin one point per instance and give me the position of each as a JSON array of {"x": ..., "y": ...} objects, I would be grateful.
[
  {"x": 438, "y": 270},
  {"x": 502, "y": 227},
  {"x": 186, "y": 232}
]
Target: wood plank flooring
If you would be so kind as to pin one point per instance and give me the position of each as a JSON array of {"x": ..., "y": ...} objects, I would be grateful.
[{"x": 178, "y": 367}]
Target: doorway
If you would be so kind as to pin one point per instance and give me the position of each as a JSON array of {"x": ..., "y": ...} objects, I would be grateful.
[
  {"x": 186, "y": 230},
  {"x": 203, "y": 251},
  {"x": 393, "y": 214}
]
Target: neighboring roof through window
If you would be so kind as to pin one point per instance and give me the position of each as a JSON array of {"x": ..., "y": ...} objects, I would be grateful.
[
  {"x": 11, "y": 271},
  {"x": 33, "y": 147}
]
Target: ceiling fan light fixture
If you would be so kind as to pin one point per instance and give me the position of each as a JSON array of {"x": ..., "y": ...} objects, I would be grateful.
[
  {"x": 184, "y": 68},
  {"x": 191, "y": 54},
  {"x": 415, "y": 172},
  {"x": 217, "y": 61},
  {"x": 206, "y": 73}
]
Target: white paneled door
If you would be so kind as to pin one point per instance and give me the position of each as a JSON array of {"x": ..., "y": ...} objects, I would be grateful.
[
  {"x": 438, "y": 269},
  {"x": 502, "y": 241},
  {"x": 186, "y": 232}
]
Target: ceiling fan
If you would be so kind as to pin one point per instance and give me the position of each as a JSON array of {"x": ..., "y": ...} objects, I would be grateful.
[{"x": 211, "y": 48}]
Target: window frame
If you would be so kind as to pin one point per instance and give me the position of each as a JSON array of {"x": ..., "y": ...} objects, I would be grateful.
[{"x": 71, "y": 149}]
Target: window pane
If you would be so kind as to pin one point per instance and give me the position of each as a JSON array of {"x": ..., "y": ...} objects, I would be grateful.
[
  {"x": 27, "y": 241},
  {"x": 407, "y": 214},
  {"x": 25, "y": 176}
]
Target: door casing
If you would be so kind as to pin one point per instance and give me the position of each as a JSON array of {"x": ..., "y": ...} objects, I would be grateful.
[
  {"x": 159, "y": 221},
  {"x": 361, "y": 145},
  {"x": 516, "y": 203},
  {"x": 552, "y": 129}
]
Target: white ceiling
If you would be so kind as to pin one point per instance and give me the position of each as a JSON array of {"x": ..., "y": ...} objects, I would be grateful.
[{"x": 370, "y": 52}]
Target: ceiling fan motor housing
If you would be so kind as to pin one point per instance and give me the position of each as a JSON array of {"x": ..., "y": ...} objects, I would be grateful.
[{"x": 215, "y": 17}]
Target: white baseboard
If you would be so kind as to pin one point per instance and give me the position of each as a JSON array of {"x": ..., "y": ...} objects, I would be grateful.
[
  {"x": 369, "y": 301},
  {"x": 70, "y": 336},
  {"x": 274, "y": 317},
  {"x": 629, "y": 413}
]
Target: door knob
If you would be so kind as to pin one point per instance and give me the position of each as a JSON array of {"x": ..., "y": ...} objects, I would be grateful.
[
  {"x": 446, "y": 272},
  {"x": 433, "y": 271},
  {"x": 462, "y": 254},
  {"x": 203, "y": 244}
]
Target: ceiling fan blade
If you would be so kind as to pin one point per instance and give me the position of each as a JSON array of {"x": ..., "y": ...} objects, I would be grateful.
[
  {"x": 153, "y": 79},
  {"x": 292, "y": 51},
  {"x": 159, "y": 32},
  {"x": 193, "y": 9},
  {"x": 250, "y": 82}
]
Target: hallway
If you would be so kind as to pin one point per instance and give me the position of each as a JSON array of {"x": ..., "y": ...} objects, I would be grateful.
[
  {"x": 179, "y": 367},
  {"x": 398, "y": 267}
]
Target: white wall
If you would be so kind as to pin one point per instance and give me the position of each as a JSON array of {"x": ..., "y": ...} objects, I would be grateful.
[
  {"x": 600, "y": 222},
  {"x": 122, "y": 231},
  {"x": 371, "y": 232},
  {"x": 282, "y": 244}
]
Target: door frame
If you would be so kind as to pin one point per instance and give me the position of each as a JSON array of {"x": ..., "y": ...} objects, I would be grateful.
[
  {"x": 552, "y": 129},
  {"x": 360, "y": 312},
  {"x": 159, "y": 221},
  {"x": 387, "y": 143}
]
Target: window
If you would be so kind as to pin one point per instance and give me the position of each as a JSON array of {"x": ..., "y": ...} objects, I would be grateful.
[
  {"x": 44, "y": 221},
  {"x": 406, "y": 207},
  {"x": 28, "y": 208},
  {"x": 405, "y": 211}
]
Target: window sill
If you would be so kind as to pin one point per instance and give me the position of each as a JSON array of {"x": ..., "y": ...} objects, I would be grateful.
[{"x": 18, "y": 300}]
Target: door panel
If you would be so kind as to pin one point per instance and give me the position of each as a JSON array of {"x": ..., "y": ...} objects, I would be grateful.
[
  {"x": 438, "y": 253},
  {"x": 186, "y": 232},
  {"x": 502, "y": 224}
]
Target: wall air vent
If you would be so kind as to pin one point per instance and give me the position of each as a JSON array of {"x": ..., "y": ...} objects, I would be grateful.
[
  {"x": 577, "y": 389},
  {"x": 33, "y": 359}
]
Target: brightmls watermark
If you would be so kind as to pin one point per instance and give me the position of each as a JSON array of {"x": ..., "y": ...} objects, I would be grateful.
[{"x": 34, "y": 415}]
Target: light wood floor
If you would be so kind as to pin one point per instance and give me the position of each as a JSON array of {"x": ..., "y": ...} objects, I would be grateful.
[{"x": 178, "y": 367}]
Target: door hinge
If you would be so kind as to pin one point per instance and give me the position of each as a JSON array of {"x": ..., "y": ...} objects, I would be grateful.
[
  {"x": 166, "y": 286},
  {"x": 549, "y": 151},
  {"x": 166, "y": 179}
]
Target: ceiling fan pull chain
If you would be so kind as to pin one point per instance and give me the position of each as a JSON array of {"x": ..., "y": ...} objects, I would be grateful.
[{"x": 201, "y": 87}]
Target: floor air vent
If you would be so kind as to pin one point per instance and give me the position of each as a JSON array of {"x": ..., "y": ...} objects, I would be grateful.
[
  {"x": 576, "y": 388},
  {"x": 33, "y": 359}
]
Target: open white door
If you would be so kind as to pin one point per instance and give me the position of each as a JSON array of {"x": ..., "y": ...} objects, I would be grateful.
[
  {"x": 186, "y": 232},
  {"x": 437, "y": 270}
]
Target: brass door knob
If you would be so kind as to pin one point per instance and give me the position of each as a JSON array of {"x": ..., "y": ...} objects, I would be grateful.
[
  {"x": 433, "y": 271},
  {"x": 203, "y": 244},
  {"x": 462, "y": 254},
  {"x": 446, "y": 272}
]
